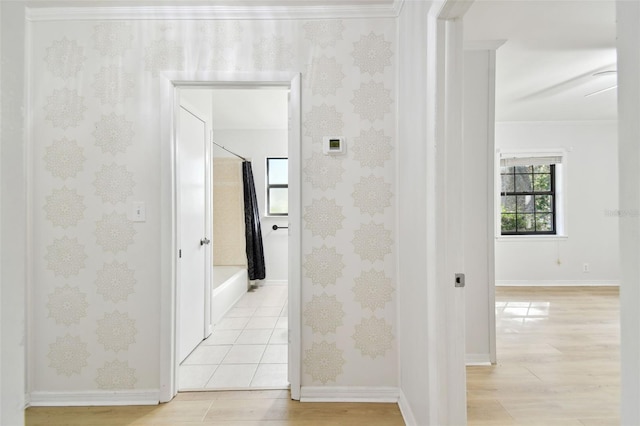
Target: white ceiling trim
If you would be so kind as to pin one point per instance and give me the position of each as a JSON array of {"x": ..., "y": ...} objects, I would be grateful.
[
  {"x": 36, "y": 14},
  {"x": 397, "y": 6}
]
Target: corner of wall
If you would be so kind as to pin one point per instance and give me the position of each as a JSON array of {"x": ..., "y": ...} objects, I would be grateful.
[
  {"x": 405, "y": 410},
  {"x": 13, "y": 218}
]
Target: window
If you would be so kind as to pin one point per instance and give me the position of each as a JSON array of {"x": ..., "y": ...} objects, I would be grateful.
[
  {"x": 277, "y": 186},
  {"x": 528, "y": 196}
]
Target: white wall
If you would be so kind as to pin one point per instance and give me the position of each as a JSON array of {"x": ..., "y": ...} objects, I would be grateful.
[
  {"x": 199, "y": 100},
  {"x": 412, "y": 158},
  {"x": 357, "y": 100},
  {"x": 478, "y": 223},
  {"x": 1, "y": 117},
  {"x": 591, "y": 176},
  {"x": 628, "y": 19},
  {"x": 13, "y": 248},
  {"x": 256, "y": 145}
]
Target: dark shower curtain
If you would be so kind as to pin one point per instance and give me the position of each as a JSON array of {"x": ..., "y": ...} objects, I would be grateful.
[{"x": 253, "y": 233}]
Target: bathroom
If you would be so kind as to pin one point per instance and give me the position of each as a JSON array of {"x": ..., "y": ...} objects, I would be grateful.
[{"x": 244, "y": 345}]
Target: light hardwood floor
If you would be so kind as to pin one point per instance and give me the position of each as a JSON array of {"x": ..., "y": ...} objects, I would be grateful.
[
  {"x": 558, "y": 359},
  {"x": 558, "y": 364},
  {"x": 246, "y": 408}
]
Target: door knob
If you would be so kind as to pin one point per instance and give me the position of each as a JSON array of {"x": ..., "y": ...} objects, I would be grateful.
[{"x": 204, "y": 241}]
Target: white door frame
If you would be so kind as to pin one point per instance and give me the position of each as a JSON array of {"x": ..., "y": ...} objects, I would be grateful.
[
  {"x": 628, "y": 14},
  {"x": 628, "y": 33},
  {"x": 447, "y": 383},
  {"x": 168, "y": 224}
]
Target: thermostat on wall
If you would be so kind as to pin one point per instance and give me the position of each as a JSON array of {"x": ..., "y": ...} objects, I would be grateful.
[{"x": 332, "y": 145}]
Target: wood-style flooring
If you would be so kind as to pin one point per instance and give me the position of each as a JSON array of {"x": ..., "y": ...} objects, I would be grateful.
[
  {"x": 558, "y": 359},
  {"x": 247, "y": 408},
  {"x": 558, "y": 364}
]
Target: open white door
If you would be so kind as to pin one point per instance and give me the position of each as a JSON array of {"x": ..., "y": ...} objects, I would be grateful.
[
  {"x": 295, "y": 337},
  {"x": 191, "y": 173}
]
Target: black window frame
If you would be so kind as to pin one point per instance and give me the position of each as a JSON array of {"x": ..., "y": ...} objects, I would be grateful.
[
  {"x": 533, "y": 193},
  {"x": 270, "y": 186}
]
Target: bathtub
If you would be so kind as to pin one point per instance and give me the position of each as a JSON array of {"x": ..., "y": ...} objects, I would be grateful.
[{"x": 230, "y": 283}]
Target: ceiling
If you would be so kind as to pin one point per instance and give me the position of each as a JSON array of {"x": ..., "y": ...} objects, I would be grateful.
[
  {"x": 251, "y": 108},
  {"x": 264, "y": 108},
  {"x": 546, "y": 67}
]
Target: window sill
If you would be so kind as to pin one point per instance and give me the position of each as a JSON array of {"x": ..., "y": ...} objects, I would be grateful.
[{"x": 521, "y": 238}]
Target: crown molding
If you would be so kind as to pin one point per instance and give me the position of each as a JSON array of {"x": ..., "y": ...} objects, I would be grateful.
[
  {"x": 212, "y": 12},
  {"x": 397, "y": 6}
]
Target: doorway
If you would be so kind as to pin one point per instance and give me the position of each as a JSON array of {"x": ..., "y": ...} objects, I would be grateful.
[
  {"x": 245, "y": 315},
  {"x": 263, "y": 294},
  {"x": 550, "y": 131}
]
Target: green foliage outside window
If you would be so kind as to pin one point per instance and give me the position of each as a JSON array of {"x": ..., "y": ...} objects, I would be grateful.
[{"x": 528, "y": 200}]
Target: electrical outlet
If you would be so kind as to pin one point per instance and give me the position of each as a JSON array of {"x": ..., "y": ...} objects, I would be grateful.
[{"x": 585, "y": 267}]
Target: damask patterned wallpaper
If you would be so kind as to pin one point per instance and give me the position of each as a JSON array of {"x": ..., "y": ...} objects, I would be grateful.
[{"x": 95, "y": 121}]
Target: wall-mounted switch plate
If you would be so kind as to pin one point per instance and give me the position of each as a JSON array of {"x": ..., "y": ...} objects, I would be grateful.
[
  {"x": 138, "y": 211},
  {"x": 459, "y": 280}
]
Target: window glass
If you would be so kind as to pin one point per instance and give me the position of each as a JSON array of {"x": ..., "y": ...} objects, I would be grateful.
[
  {"x": 279, "y": 201},
  {"x": 278, "y": 171},
  {"x": 277, "y": 186},
  {"x": 528, "y": 199}
]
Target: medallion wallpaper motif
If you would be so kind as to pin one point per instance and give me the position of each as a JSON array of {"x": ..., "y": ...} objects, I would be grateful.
[{"x": 95, "y": 90}]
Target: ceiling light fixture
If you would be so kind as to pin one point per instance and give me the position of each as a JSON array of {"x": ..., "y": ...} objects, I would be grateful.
[{"x": 601, "y": 91}]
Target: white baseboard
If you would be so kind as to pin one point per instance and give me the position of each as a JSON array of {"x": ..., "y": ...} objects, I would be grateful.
[
  {"x": 276, "y": 282},
  {"x": 94, "y": 398},
  {"x": 348, "y": 394},
  {"x": 557, "y": 283},
  {"x": 405, "y": 410},
  {"x": 477, "y": 359}
]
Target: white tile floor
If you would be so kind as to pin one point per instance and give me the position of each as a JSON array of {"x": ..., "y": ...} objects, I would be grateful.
[{"x": 247, "y": 349}]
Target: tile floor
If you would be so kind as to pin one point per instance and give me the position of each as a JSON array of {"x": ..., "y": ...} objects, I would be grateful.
[{"x": 247, "y": 349}]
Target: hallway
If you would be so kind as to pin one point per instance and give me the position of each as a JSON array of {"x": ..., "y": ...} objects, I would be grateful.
[
  {"x": 253, "y": 408},
  {"x": 558, "y": 353}
]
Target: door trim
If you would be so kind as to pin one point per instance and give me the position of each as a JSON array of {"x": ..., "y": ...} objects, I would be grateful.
[
  {"x": 445, "y": 308},
  {"x": 170, "y": 83}
]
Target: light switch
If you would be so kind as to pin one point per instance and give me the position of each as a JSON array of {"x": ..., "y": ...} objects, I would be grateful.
[{"x": 138, "y": 211}]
